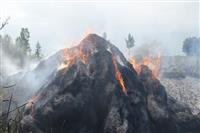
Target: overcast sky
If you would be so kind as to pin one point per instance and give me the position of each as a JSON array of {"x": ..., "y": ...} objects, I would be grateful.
[{"x": 63, "y": 24}]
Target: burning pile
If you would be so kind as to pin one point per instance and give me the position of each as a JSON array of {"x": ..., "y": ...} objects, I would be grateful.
[
  {"x": 97, "y": 90},
  {"x": 153, "y": 64},
  {"x": 118, "y": 76}
]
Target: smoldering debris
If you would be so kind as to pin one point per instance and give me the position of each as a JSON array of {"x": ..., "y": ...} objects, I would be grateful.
[{"x": 86, "y": 95}]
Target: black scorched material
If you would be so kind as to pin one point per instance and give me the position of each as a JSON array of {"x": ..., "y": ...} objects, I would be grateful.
[{"x": 88, "y": 98}]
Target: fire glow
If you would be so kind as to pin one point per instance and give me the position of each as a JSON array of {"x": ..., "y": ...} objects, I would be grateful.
[
  {"x": 30, "y": 104},
  {"x": 32, "y": 101},
  {"x": 153, "y": 64},
  {"x": 71, "y": 56},
  {"x": 118, "y": 75}
]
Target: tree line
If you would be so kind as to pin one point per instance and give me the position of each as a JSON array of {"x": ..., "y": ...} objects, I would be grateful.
[
  {"x": 191, "y": 45},
  {"x": 19, "y": 51}
]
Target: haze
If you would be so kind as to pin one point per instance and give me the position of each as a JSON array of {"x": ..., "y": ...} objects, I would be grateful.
[{"x": 63, "y": 24}]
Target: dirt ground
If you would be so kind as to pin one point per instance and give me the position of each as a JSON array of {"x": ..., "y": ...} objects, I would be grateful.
[{"x": 186, "y": 90}]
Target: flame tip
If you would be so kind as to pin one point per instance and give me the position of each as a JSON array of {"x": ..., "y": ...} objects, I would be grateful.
[
  {"x": 118, "y": 75},
  {"x": 153, "y": 64}
]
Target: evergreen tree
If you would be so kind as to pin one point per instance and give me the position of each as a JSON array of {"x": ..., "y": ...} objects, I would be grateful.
[
  {"x": 130, "y": 42},
  {"x": 191, "y": 46},
  {"x": 38, "y": 54},
  {"x": 23, "y": 41},
  {"x": 23, "y": 46}
]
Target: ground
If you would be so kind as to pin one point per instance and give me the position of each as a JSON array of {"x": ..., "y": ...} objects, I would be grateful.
[{"x": 186, "y": 90}]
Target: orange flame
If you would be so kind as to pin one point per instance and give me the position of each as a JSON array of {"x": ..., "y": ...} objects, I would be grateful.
[
  {"x": 71, "y": 56},
  {"x": 135, "y": 65},
  {"x": 118, "y": 76},
  {"x": 153, "y": 64}
]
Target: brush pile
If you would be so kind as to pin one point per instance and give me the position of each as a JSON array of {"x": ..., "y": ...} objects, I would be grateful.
[{"x": 96, "y": 90}]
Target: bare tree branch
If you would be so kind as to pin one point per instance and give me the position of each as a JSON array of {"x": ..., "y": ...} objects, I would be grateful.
[
  {"x": 9, "y": 86},
  {"x": 9, "y": 105},
  {"x": 15, "y": 109},
  {"x": 4, "y": 23}
]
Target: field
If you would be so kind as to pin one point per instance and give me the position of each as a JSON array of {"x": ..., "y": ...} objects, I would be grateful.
[{"x": 180, "y": 76}]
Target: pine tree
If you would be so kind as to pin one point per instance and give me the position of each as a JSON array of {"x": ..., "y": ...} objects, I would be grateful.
[
  {"x": 130, "y": 42},
  {"x": 38, "y": 54},
  {"x": 23, "y": 46},
  {"x": 23, "y": 41}
]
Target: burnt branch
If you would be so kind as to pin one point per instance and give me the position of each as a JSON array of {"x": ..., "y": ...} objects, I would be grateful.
[
  {"x": 3, "y": 24},
  {"x": 9, "y": 105},
  {"x": 15, "y": 109},
  {"x": 8, "y": 86}
]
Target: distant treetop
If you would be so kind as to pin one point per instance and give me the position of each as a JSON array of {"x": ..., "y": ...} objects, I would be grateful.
[{"x": 191, "y": 46}]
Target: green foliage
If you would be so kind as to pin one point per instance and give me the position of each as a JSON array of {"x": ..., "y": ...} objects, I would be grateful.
[
  {"x": 23, "y": 41},
  {"x": 20, "y": 51},
  {"x": 130, "y": 42},
  {"x": 191, "y": 46},
  {"x": 38, "y": 54}
]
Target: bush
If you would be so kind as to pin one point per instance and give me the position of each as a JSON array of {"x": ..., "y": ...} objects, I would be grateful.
[{"x": 191, "y": 46}]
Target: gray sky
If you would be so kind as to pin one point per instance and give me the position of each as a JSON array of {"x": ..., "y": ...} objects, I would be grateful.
[{"x": 63, "y": 24}]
